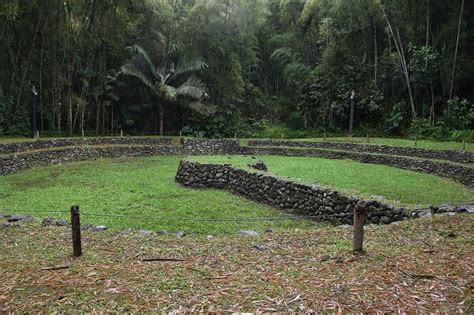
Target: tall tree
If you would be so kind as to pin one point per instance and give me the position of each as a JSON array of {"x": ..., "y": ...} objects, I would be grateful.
[{"x": 168, "y": 81}]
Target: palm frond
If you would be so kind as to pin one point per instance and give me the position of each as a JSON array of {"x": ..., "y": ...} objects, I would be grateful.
[
  {"x": 138, "y": 51},
  {"x": 192, "y": 88},
  {"x": 131, "y": 69},
  {"x": 189, "y": 63}
]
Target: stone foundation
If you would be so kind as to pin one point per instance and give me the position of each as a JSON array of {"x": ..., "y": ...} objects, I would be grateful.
[
  {"x": 319, "y": 204},
  {"x": 51, "y": 143},
  {"x": 449, "y": 155},
  {"x": 14, "y": 162}
]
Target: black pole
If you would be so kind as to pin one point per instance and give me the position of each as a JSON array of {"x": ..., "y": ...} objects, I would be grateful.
[
  {"x": 34, "y": 129},
  {"x": 351, "y": 116}
]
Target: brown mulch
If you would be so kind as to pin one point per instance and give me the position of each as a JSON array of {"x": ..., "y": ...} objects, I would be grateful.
[{"x": 423, "y": 265}]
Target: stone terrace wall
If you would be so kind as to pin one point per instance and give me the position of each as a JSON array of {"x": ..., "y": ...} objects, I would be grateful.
[
  {"x": 458, "y": 173},
  {"x": 449, "y": 155},
  {"x": 51, "y": 143},
  {"x": 211, "y": 146},
  {"x": 15, "y": 163},
  {"x": 320, "y": 203}
]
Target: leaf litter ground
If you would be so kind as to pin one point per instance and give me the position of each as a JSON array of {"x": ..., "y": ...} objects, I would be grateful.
[{"x": 419, "y": 265}]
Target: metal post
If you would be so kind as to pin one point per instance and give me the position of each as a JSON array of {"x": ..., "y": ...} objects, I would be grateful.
[
  {"x": 76, "y": 231},
  {"x": 33, "y": 112},
  {"x": 351, "y": 115}
]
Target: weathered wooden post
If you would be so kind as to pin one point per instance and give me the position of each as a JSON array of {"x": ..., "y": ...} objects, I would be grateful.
[
  {"x": 121, "y": 133},
  {"x": 324, "y": 137},
  {"x": 76, "y": 231},
  {"x": 351, "y": 114},
  {"x": 463, "y": 143},
  {"x": 368, "y": 138},
  {"x": 33, "y": 112},
  {"x": 358, "y": 237},
  {"x": 82, "y": 131},
  {"x": 416, "y": 140}
]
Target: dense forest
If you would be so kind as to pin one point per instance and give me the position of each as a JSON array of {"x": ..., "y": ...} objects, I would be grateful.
[{"x": 250, "y": 68}]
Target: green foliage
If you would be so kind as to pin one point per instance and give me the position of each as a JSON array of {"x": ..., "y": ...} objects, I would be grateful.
[
  {"x": 290, "y": 63},
  {"x": 396, "y": 118},
  {"x": 13, "y": 121},
  {"x": 460, "y": 114}
]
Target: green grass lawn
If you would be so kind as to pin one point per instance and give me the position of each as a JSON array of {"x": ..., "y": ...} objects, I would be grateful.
[
  {"x": 135, "y": 187},
  {"x": 145, "y": 187},
  {"x": 399, "y": 142},
  {"x": 401, "y": 187}
]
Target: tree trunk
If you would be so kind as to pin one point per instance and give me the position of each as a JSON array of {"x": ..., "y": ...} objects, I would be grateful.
[
  {"x": 162, "y": 117},
  {"x": 456, "y": 52},
  {"x": 375, "y": 53},
  {"x": 97, "y": 119},
  {"x": 398, "y": 45}
]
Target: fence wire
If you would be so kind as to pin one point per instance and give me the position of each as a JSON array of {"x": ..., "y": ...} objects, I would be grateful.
[{"x": 154, "y": 218}]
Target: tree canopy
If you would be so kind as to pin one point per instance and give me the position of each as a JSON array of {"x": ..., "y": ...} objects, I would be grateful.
[{"x": 246, "y": 67}]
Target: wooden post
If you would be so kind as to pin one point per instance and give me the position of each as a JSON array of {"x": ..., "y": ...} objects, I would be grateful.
[
  {"x": 282, "y": 136},
  {"x": 37, "y": 134},
  {"x": 235, "y": 135},
  {"x": 324, "y": 137},
  {"x": 180, "y": 133},
  {"x": 358, "y": 236},
  {"x": 82, "y": 130},
  {"x": 368, "y": 138},
  {"x": 463, "y": 144},
  {"x": 121, "y": 133},
  {"x": 351, "y": 114},
  {"x": 76, "y": 232},
  {"x": 416, "y": 140}
]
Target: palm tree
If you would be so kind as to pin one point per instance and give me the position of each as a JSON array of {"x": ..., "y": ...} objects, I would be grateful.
[{"x": 167, "y": 81}]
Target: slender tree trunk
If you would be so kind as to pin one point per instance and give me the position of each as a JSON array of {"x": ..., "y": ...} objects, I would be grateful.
[
  {"x": 97, "y": 118},
  {"x": 103, "y": 119},
  {"x": 83, "y": 109},
  {"x": 432, "y": 109},
  {"x": 112, "y": 120},
  {"x": 162, "y": 117},
  {"x": 41, "y": 86},
  {"x": 456, "y": 51},
  {"x": 399, "y": 46},
  {"x": 375, "y": 52}
]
